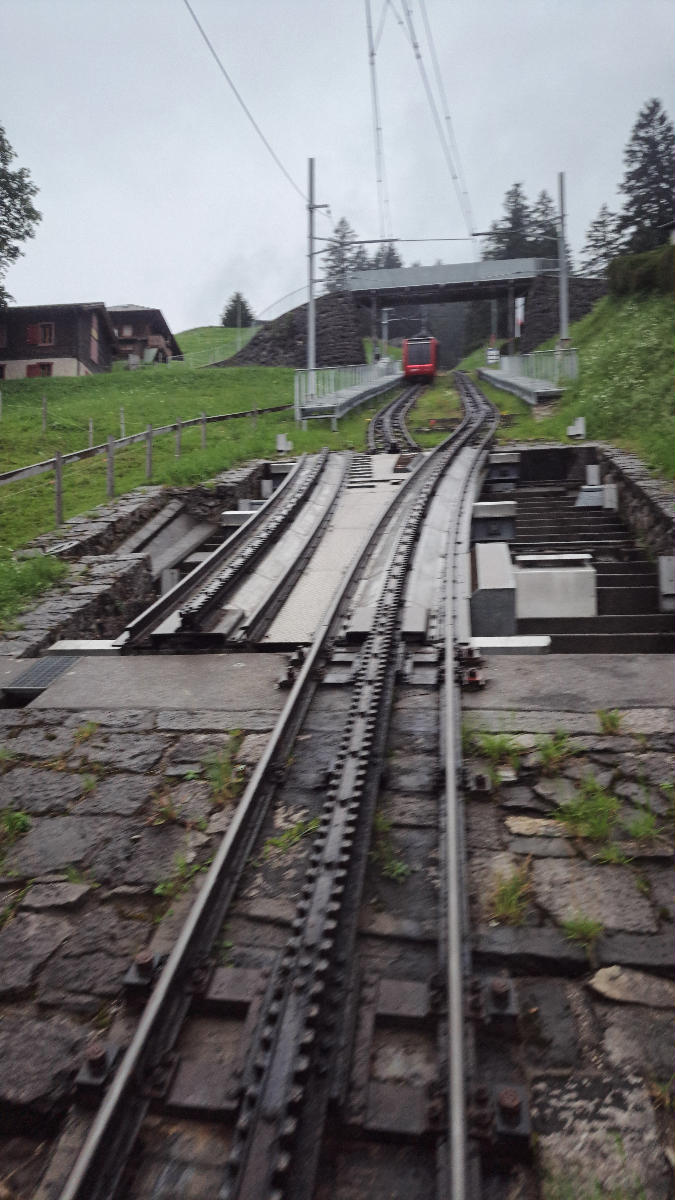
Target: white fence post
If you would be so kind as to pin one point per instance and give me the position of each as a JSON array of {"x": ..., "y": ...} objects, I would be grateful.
[
  {"x": 122, "y": 433},
  {"x": 58, "y": 488},
  {"x": 203, "y": 431},
  {"x": 179, "y": 427},
  {"x": 91, "y": 432},
  {"x": 148, "y": 452},
  {"x": 110, "y": 468}
]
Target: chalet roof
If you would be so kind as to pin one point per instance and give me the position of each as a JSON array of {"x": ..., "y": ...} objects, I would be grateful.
[
  {"x": 157, "y": 315},
  {"x": 82, "y": 306}
]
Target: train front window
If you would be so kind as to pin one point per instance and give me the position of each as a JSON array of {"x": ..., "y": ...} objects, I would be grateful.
[{"x": 419, "y": 353}]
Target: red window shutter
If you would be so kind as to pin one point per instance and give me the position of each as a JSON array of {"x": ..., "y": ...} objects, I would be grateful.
[{"x": 33, "y": 335}]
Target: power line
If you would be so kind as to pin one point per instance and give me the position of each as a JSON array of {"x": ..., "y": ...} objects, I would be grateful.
[
  {"x": 243, "y": 105},
  {"x": 468, "y": 215},
  {"x": 434, "y": 111},
  {"x": 380, "y": 173}
]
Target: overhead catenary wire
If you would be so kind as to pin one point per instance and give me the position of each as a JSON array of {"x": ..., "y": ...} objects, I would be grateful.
[
  {"x": 434, "y": 111},
  {"x": 241, "y": 101},
  {"x": 380, "y": 172},
  {"x": 468, "y": 215}
]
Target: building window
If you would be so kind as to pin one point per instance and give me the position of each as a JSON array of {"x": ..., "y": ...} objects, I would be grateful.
[
  {"x": 46, "y": 336},
  {"x": 127, "y": 331},
  {"x": 39, "y": 370}
]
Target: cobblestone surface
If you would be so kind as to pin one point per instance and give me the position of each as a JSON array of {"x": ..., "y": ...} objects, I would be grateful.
[{"x": 594, "y": 1046}]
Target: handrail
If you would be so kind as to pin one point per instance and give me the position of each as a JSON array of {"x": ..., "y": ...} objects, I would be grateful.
[{"x": 48, "y": 464}]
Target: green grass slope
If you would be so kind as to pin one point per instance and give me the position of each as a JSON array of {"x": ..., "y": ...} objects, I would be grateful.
[
  {"x": 212, "y": 342},
  {"x": 625, "y": 384}
]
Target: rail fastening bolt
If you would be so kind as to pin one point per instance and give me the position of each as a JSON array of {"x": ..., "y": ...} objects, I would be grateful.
[
  {"x": 509, "y": 1105},
  {"x": 144, "y": 962},
  {"x": 500, "y": 991},
  {"x": 97, "y": 1060}
]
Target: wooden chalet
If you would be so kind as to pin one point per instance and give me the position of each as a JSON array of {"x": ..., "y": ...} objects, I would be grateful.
[
  {"x": 45, "y": 340},
  {"x": 144, "y": 334}
]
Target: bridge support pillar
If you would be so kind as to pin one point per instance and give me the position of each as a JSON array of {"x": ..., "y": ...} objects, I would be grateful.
[
  {"x": 494, "y": 316},
  {"x": 373, "y": 325},
  {"x": 511, "y": 319}
]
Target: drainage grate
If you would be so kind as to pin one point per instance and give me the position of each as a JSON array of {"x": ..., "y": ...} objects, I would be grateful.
[{"x": 38, "y": 677}]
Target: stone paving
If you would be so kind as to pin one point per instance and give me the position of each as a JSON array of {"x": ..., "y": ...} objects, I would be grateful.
[
  {"x": 589, "y": 935},
  {"x": 108, "y": 817}
]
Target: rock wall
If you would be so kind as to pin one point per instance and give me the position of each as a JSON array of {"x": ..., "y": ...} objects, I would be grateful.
[
  {"x": 542, "y": 320},
  {"x": 283, "y": 343}
]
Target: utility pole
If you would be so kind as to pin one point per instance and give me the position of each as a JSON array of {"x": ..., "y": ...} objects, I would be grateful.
[
  {"x": 311, "y": 311},
  {"x": 311, "y": 307},
  {"x": 563, "y": 293}
]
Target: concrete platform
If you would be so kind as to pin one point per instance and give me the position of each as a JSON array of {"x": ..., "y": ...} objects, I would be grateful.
[
  {"x": 577, "y": 683},
  {"x": 532, "y": 391},
  {"x": 357, "y": 512},
  {"x": 189, "y": 682}
]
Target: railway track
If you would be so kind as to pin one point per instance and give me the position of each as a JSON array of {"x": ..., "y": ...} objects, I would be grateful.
[
  {"x": 315, "y": 987},
  {"x": 387, "y": 430}
]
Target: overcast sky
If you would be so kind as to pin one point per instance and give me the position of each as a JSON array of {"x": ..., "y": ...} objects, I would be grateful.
[{"x": 155, "y": 189}]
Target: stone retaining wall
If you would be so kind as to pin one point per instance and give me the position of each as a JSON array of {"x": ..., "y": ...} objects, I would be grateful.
[{"x": 644, "y": 503}]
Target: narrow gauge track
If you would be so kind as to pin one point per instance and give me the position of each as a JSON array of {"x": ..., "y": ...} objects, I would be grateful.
[
  {"x": 193, "y": 598},
  {"x": 387, "y": 431},
  {"x": 297, "y": 1006}
]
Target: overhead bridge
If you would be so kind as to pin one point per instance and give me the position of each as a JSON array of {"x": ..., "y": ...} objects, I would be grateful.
[{"x": 452, "y": 281}]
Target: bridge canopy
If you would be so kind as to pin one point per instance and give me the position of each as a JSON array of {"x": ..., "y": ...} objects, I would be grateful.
[{"x": 453, "y": 281}]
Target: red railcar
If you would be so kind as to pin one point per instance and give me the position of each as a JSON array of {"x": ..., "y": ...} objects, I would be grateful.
[{"x": 420, "y": 356}]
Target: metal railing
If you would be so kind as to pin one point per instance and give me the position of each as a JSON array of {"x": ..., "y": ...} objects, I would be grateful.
[
  {"x": 552, "y": 365},
  {"x": 322, "y": 386}
]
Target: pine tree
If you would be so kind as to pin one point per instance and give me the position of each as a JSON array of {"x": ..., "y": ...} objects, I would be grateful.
[
  {"x": 602, "y": 244},
  {"x": 237, "y": 314},
  {"x": 543, "y": 228},
  {"x": 340, "y": 256},
  {"x": 649, "y": 180},
  {"x": 511, "y": 237},
  {"x": 386, "y": 256},
  {"x": 18, "y": 217}
]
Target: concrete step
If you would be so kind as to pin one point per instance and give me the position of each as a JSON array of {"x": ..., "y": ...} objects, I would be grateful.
[
  {"x": 627, "y": 600},
  {"x": 612, "y": 643},
  {"x": 615, "y": 623}
]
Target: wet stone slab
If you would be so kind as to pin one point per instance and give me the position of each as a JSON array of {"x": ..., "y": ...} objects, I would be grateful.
[
  {"x": 30, "y": 790},
  {"x": 42, "y": 896},
  {"x": 37, "y": 1063},
  {"x": 141, "y": 856},
  {"x": 26, "y": 943},
  {"x": 38, "y": 743},
  {"x": 638, "y": 1039},
  {"x": 122, "y": 751},
  {"x": 120, "y": 795},
  {"x": 90, "y": 965},
  {"x": 56, "y": 843},
  {"x": 608, "y": 894},
  {"x": 598, "y": 1129},
  {"x": 548, "y": 1025}
]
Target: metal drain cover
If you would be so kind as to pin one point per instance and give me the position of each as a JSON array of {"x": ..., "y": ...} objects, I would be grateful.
[{"x": 38, "y": 677}]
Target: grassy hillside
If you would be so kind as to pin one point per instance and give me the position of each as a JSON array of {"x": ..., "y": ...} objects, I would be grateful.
[
  {"x": 212, "y": 342},
  {"x": 625, "y": 384}
]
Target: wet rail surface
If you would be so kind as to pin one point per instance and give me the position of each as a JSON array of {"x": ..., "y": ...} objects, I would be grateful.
[
  {"x": 387, "y": 430},
  {"x": 267, "y": 1060}
]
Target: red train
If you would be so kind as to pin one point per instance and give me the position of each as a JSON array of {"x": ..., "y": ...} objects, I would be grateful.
[{"x": 420, "y": 357}]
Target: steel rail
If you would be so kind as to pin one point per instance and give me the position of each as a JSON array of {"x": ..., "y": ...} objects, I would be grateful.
[
  {"x": 145, "y": 622},
  {"x": 456, "y": 932},
  {"x": 102, "y": 1160},
  {"x": 380, "y": 432},
  {"x": 286, "y": 1096},
  {"x": 197, "y": 609}
]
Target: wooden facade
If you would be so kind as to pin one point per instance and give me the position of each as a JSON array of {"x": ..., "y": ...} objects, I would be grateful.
[
  {"x": 143, "y": 332},
  {"x": 55, "y": 339}
]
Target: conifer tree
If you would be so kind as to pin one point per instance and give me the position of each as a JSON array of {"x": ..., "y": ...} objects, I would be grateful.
[
  {"x": 649, "y": 180},
  {"x": 602, "y": 244}
]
